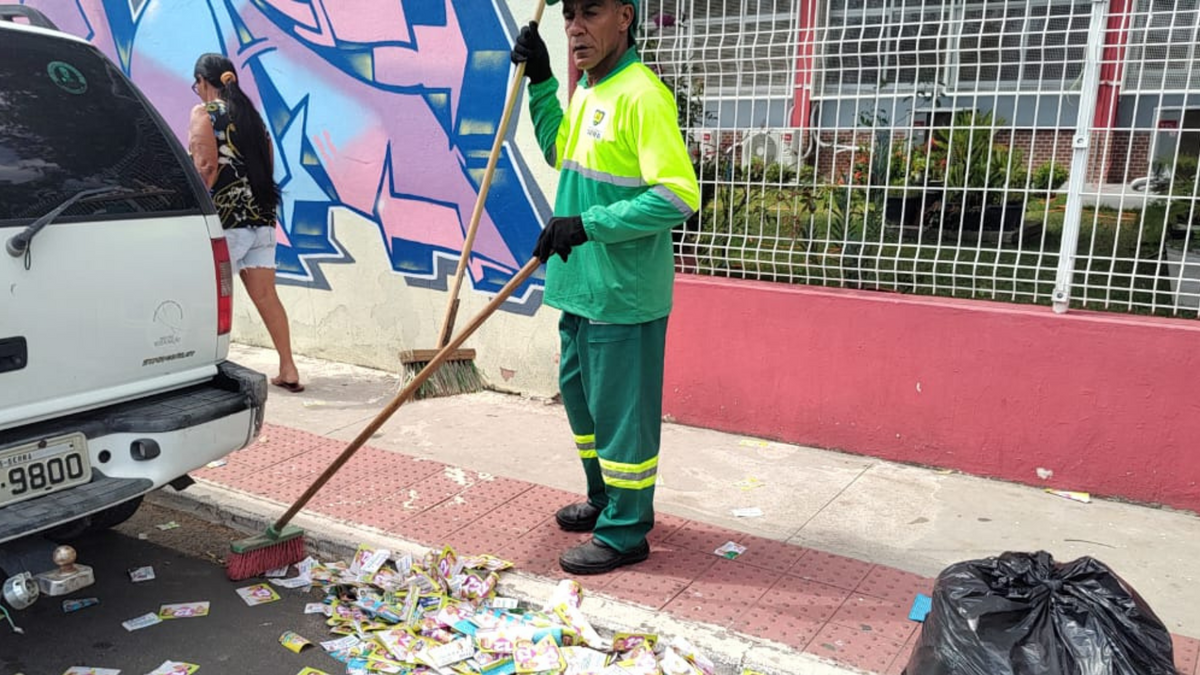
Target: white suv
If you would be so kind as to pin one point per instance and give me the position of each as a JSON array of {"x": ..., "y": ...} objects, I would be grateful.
[{"x": 115, "y": 294}]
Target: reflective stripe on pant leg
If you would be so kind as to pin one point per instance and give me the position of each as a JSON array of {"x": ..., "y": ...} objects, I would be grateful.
[
  {"x": 572, "y": 383},
  {"x": 624, "y": 391},
  {"x": 630, "y": 476},
  {"x": 586, "y": 445}
]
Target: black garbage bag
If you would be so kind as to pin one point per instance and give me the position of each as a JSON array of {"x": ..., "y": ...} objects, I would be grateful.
[{"x": 1024, "y": 614}]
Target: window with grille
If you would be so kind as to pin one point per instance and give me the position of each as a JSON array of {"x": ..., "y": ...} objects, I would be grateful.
[
  {"x": 880, "y": 43},
  {"x": 737, "y": 48},
  {"x": 1163, "y": 46},
  {"x": 966, "y": 45}
]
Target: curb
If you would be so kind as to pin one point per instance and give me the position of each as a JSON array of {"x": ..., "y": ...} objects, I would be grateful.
[{"x": 330, "y": 539}]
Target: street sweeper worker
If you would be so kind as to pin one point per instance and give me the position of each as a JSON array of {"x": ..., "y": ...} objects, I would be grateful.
[{"x": 625, "y": 181}]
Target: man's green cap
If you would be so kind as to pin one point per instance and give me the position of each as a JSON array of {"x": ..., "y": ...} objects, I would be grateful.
[{"x": 632, "y": 3}]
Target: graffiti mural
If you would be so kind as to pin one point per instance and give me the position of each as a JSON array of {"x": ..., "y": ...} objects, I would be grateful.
[{"x": 386, "y": 108}]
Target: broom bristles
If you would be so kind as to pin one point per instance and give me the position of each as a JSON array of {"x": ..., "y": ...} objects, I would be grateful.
[
  {"x": 452, "y": 378},
  {"x": 247, "y": 564}
]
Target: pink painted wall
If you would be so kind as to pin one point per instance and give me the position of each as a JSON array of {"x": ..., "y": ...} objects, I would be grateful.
[{"x": 1109, "y": 403}]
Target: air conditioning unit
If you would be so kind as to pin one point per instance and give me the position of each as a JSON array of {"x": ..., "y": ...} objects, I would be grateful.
[{"x": 772, "y": 146}]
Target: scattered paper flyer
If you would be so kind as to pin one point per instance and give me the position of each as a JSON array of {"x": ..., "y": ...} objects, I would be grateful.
[
  {"x": 303, "y": 577},
  {"x": 624, "y": 642},
  {"x": 1073, "y": 495},
  {"x": 258, "y": 594},
  {"x": 87, "y": 670},
  {"x": 368, "y": 560},
  {"x": 452, "y": 652},
  {"x": 340, "y": 644},
  {"x": 183, "y": 610},
  {"x": 167, "y": 526},
  {"x": 143, "y": 621},
  {"x": 535, "y": 658},
  {"x": 76, "y": 604},
  {"x": 277, "y": 573},
  {"x": 293, "y": 641},
  {"x": 318, "y": 608},
  {"x": 503, "y": 603},
  {"x": 749, "y": 512},
  {"x": 140, "y": 574},
  {"x": 174, "y": 668},
  {"x": 730, "y": 550},
  {"x": 312, "y": 671}
]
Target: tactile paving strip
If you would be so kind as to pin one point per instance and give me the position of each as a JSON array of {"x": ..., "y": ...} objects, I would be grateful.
[
  {"x": 894, "y": 585},
  {"x": 861, "y": 649},
  {"x": 545, "y": 499},
  {"x": 769, "y": 554},
  {"x": 508, "y": 519},
  {"x": 704, "y": 537},
  {"x": 834, "y": 570},
  {"x": 722, "y": 594},
  {"x": 657, "y": 581},
  {"x": 494, "y": 491},
  {"x": 888, "y": 620},
  {"x": 1187, "y": 655}
]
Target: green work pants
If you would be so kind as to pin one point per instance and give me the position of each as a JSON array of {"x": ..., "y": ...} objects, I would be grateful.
[{"x": 611, "y": 379}]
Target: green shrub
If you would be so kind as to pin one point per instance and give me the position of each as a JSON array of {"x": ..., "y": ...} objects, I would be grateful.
[{"x": 1049, "y": 177}]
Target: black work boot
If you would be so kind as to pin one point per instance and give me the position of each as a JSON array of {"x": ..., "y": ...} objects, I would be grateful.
[
  {"x": 579, "y": 517},
  {"x": 596, "y": 557}
]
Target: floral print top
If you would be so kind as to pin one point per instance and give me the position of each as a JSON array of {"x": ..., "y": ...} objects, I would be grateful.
[{"x": 231, "y": 192}]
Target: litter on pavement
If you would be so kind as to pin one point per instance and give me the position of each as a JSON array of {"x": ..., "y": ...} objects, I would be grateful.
[
  {"x": 1083, "y": 497},
  {"x": 140, "y": 574},
  {"x": 920, "y": 608},
  {"x": 175, "y": 668},
  {"x": 293, "y": 641},
  {"x": 440, "y": 615},
  {"x": 258, "y": 594},
  {"x": 77, "y": 604},
  {"x": 184, "y": 610},
  {"x": 143, "y": 621},
  {"x": 730, "y": 550}
]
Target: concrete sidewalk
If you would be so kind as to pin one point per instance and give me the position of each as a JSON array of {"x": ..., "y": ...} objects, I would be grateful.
[{"x": 831, "y": 520}]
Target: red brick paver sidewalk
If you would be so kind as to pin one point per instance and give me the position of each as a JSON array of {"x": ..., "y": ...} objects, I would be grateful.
[{"x": 847, "y": 610}]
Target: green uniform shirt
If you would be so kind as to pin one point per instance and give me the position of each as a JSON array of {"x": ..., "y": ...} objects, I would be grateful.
[{"x": 626, "y": 171}]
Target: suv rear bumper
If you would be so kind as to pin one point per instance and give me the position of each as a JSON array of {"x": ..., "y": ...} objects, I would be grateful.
[{"x": 190, "y": 427}]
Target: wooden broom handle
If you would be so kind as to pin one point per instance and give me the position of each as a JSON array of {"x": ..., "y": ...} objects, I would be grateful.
[
  {"x": 514, "y": 90},
  {"x": 408, "y": 391}
]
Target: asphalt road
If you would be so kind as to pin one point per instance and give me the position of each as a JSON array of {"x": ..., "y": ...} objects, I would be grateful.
[{"x": 234, "y": 639}]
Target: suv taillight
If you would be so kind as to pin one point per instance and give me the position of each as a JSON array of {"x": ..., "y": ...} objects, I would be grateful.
[{"x": 224, "y": 269}]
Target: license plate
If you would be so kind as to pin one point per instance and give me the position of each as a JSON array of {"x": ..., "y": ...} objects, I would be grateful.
[{"x": 39, "y": 468}]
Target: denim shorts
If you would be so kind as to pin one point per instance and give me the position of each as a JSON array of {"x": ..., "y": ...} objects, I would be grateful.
[{"x": 251, "y": 247}]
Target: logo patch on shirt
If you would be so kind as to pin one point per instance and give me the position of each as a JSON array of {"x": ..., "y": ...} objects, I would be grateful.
[{"x": 596, "y": 130}]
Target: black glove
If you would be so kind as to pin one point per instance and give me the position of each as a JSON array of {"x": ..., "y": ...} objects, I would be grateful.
[
  {"x": 560, "y": 236},
  {"x": 531, "y": 51}
]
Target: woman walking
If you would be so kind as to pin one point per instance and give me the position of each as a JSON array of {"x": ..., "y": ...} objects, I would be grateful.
[{"x": 231, "y": 148}]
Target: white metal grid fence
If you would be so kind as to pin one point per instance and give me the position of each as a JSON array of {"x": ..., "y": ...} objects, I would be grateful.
[{"x": 1040, "y": 151}]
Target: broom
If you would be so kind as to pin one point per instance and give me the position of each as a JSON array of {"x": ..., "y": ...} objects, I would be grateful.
[
  {"x": 283, "y": 544},
  {"x": 460, "y": 376}
]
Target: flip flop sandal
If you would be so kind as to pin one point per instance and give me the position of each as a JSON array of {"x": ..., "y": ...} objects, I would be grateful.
[{"x": 294, "y": 387}]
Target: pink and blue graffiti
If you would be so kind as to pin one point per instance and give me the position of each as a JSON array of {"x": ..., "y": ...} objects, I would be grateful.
[{"x": 386, "y": 108}]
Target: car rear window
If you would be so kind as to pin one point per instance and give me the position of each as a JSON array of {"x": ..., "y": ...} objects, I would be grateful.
[{"x": 70, "y": 121}]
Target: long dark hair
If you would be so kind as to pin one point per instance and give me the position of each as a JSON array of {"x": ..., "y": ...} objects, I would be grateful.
[{"x": 252, "y": 139}]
